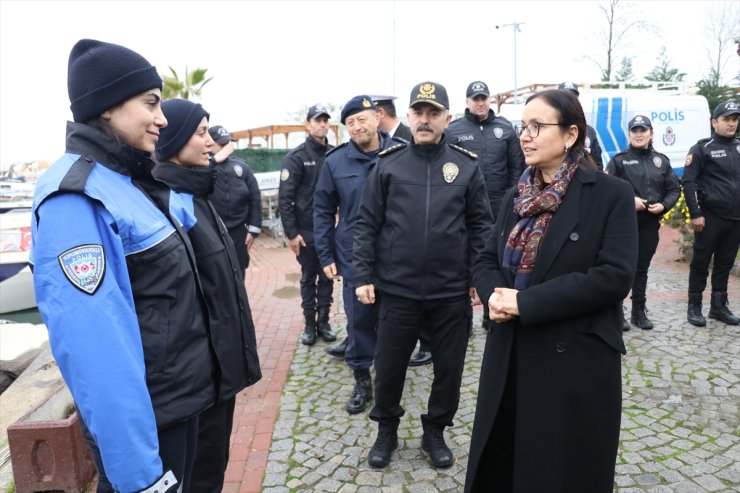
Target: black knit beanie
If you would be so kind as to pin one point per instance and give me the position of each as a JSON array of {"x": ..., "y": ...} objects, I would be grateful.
[
  {"x": 102, "y": 75},
  {"x": 183, "y": 117}
]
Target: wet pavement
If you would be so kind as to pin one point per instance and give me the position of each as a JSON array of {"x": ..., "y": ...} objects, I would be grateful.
[{"x": 680, "y": 421}]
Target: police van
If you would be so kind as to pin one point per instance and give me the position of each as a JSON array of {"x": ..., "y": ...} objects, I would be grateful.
[{"x": 679, "y": 119}]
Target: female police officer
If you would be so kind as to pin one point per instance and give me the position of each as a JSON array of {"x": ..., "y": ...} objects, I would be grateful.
[
  {"x": 183, "y": 152},
  {"x": 656, "y": 192},
  {"x": 115, "y": 281}
]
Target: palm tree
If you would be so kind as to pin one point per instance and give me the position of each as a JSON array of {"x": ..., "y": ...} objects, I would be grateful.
[{"x": 191, "y": 85}]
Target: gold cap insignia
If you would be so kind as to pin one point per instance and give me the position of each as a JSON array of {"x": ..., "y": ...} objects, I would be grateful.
[
  {"x": 366, "y": 103},
  {"x": 450, "y": 172},
  {"x": 426, "y": 91}
]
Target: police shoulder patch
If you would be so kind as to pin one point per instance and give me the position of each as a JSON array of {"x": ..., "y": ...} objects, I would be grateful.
[
  {"x": 284, "y": 174},
  {"x": 391, "y": 149},
  {"x": 340, "y": 146},
  {"x": 84, "y": 267},
  {"x": 464, "y": 151},
  {"x": 689, "y": 159}
]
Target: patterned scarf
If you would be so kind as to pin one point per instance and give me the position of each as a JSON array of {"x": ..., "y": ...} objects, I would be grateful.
[{"x": 535, "y": 205}]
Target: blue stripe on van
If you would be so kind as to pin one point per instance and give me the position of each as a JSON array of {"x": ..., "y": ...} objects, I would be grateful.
[
  {"x": 602, "y": 128},
  {"x": 616, "y": 123}
]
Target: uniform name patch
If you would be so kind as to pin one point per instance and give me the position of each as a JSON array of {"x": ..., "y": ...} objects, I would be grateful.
[{"x": 84, "y": 267}]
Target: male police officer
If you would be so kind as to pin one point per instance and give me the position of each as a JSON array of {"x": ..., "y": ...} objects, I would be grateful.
[
  {"x": 711, "y": 185},
  {"x": 492, "y": 138},
  {"x": 236, "y": 195},
  {"x": 388, "y": 119},
  {"x": 390, "y": 124},
  {"x": 592, "y": 140},
  {"x": 300, "y": 172},
  {"x": 424, "y": 215},
  {"x": 339, "y": 188}
]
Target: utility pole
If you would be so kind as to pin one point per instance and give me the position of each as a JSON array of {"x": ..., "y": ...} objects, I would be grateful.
[{"x": 515, "y": 28}]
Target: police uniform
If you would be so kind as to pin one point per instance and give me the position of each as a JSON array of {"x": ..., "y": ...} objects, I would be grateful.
[
  {"x": 423, "y": 217},
  {"x": 494, "y": 142},
  {"x": 236, "y": 197},
  {"x": 300, "y": 173},
  {"x": 711, "y": 184},
  {"x": 341, "y": 180},
  {"x": 652, "y": 178}
]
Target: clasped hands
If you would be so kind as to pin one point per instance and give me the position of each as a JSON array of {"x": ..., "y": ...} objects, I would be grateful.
[{"x": 502, "y": 305}]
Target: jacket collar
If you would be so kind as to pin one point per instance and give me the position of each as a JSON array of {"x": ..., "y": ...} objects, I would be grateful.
[
  {"x": 195, "y": 181},
  {"x": 315, "y": 146},
  {"x": 720, "y": 138},
  {"x": 112, "y": 153},
  {"x": 474, "y": 118},
  {"x": 430, "y": 150}
]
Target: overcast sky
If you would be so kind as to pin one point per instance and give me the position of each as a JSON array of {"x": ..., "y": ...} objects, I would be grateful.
[{"x": 270, "y": 58}]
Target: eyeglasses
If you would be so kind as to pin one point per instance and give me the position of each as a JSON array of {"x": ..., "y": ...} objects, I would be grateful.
[{"x": 532, "y": 128}]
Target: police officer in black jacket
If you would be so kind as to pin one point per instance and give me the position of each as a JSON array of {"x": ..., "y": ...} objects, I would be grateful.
[
  {"x": 236, "y": 195},
  {"x": 656, "y": 192},
  {"x": 300, "y": 172},
  {"x": 711, "y": 185},
  {"x": 492, "y": 138},
  {"x": 422, "y": 218},
  {"x": 592, "y": 140}
]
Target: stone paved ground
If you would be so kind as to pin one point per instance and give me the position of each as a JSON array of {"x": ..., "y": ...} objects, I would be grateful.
[{"x": 680, "y": 427}]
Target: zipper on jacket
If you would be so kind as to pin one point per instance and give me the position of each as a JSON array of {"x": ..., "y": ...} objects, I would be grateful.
[{"x": 426, "y": 228}]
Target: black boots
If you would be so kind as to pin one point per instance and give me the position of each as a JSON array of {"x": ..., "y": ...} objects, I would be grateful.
[
  {"x": 693, "y": 314},
  {"x": 433, "y": 444},
  {"x": 639, "y": 317},
  {"x": 362, "y": 393},
  {"x": 718, "y": 310},
  {"x": 309, "y": 331},
  {"x": 385, "y": 444},
  {"x": 337, "y": 350},
  {"x": 322, "y": 325}
]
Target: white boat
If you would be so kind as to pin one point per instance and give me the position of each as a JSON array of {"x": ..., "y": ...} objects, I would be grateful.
[{"x": 16, "y": 280}]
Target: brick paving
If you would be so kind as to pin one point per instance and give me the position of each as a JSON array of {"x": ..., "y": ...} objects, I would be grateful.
[{"x": 680, "y": 423}]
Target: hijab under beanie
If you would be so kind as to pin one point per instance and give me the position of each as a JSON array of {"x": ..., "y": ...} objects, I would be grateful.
[
  {"x": 102, "y": 75},
  {"x": 183, "y": 117}
]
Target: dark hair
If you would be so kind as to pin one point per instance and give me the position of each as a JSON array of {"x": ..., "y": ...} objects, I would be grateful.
[
  {"x": 100, "y": 123},
  {"x": 389, "y": 108},
  {"x": 570, "y": 112}
]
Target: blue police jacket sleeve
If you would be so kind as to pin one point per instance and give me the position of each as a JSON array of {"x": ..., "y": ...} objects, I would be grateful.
[
  {"x": 94, "y": 334},
  {"x": 325, "y": 202}
]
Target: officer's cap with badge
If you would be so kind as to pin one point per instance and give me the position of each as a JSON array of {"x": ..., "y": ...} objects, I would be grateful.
[
  {"x": 357, "y": 104},
  {"x": 725, "y": 109},
  {"x": 571, "y": 86},
  {"x": 477, "y": 88},
  {"x": 431, "y": 93},
  {"x": 316, "y": 111},
  {"x": 384, "y": 100},
  {"x": 220, "y": 135},
  {"x": 640, "y": 121}
]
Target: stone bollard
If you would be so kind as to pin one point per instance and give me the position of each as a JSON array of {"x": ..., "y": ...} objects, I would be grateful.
[{"x": 47, "y": 449}]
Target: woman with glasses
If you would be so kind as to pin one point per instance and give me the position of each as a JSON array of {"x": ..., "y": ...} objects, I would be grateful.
[
  {"x": 556, "y": 266},
  {"x": 656, "y": 191}
]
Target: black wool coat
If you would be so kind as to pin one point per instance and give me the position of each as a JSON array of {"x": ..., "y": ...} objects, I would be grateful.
[{"x": 567, "y": 343}]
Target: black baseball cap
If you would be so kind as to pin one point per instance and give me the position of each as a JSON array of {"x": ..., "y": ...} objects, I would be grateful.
[
  {"x": 727, "y": 108},
  {"x": 571, "y": 86},
  {"x": 219, "y": 134},
  {"x": 639, "y": 121},
  {"x": 316, "y": 111},
  {"x": 430, "y": 92},
  {"x": 477, "y": 88}
]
